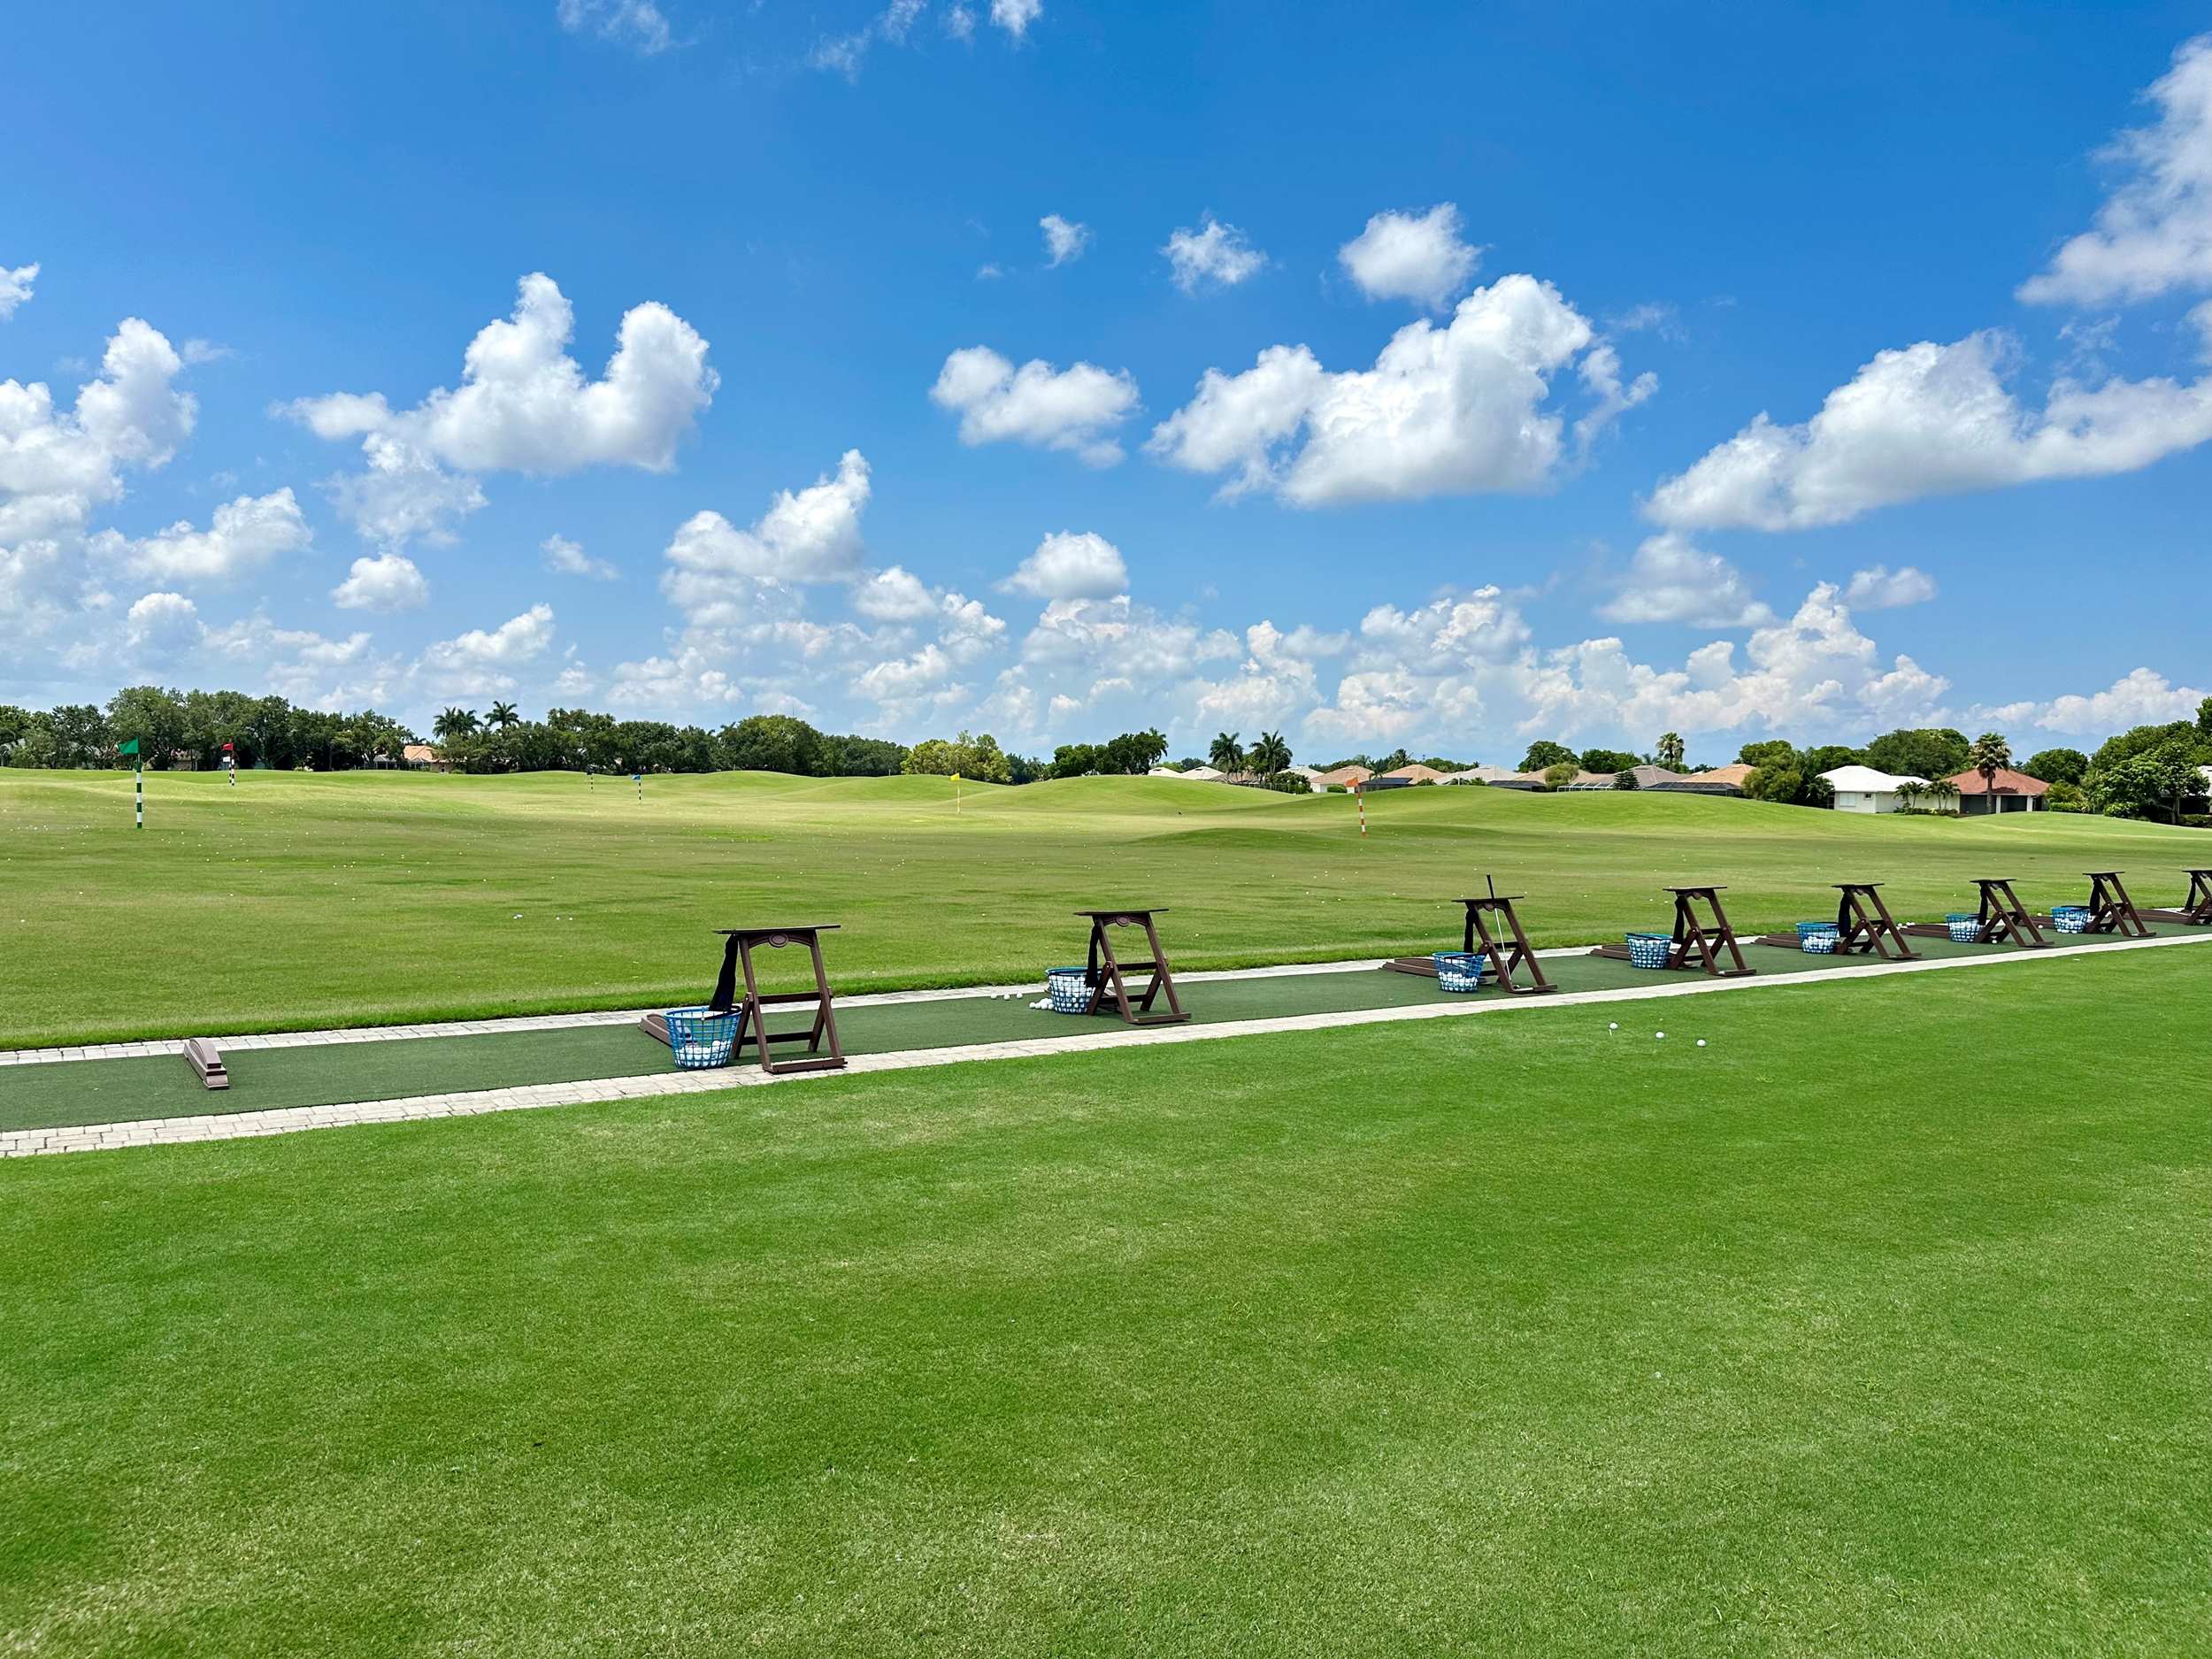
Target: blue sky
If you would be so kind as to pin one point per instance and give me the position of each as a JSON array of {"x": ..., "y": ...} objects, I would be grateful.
[{"x": 1797, "y": 370}]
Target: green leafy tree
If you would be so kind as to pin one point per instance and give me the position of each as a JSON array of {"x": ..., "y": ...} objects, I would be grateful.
[
  {"x": 773, "y": 743},
  {"x": 1626, "y": 780},
  {"x": 1560, "y": 774},
  {"x": 1827, "y": 757},
  {"x": 2148, "y": 786},
  {"x": 977, "y": 758},
  {"x": 1615, "y": 760},
  {"x": 1774, "y": 755},
  {"x": 1394, "y": 759},
  {"x": 2057, "y": 766},
  {"x": 1544, "y": 754},
  {"x": 1271, "y": 755},
  {"x": 1670, "y": 750},
  {"x": 154, "y": 717},
  {"x": 1226, "y": 754},
  {"x": 1131, "y": 753},
  {"x": 1074, "y": 760},
  {"x": 1921, "y": 751},
  {"x": 2204, "y": 718},
  {"x": 453, "y": 723},
  {"x": 15, "y": 725},
  {"x": 1990, "y": 755},
  {"x": 866, "y": 756}
]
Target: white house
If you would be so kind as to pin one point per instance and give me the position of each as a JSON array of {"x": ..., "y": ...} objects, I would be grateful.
[{"x": 1864, "y": 789}]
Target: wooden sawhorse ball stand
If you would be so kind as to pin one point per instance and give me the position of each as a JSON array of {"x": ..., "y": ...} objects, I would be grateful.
[
  {"x": 2004, "y": 917},
  {"x": 1505, "y": 959},
  {"x": 1864, "y": 926},
  {"x": 752, "y": 1008},
  {"x": 1697, "y": 942},
  {"x": 2198, "y": 906},
  {"x": 1105, "y": 972},
  {"x": 2110, "y": 910}
]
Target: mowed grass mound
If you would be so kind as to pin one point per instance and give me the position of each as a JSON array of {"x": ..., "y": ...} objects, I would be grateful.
[
  {"x": 300, "y": 899},
  {"x": 1877, "y": 1326}
]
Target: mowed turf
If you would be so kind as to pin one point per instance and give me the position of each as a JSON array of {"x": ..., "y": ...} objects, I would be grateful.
[
  {"x": 1877, "y": 1326},
  {"x": 298, "y": 901}
]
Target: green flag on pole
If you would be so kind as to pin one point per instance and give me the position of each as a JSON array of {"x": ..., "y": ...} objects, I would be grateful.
[{"x": 130, "y": 748}]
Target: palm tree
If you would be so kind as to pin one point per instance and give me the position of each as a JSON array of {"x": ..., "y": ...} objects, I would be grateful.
[
  {"x": 1988, "y": 754},
  {"x": 504, "y": 715},
  {"x": 452, "y": 723},
  {"x": 1670, "y": 750},
  {"x": 1227, "y": 755},
  {"x": 1908, "y": 793},
  {"x": 1271, "y": 755},
  {"x": 1943, "y": 792}
]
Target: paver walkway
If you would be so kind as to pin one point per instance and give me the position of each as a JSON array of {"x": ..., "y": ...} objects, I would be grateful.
[{"x": 233, "y": 1126}]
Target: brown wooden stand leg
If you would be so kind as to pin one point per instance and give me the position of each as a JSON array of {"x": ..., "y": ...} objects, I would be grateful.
[
  {"x": 2110, "y": 910},
  {"x": 2004, "y": 917},
  {"x": 1864, "y": 925},
  {"x": 2198, "y": 906},
  {"x": 1506, "y": 959}
]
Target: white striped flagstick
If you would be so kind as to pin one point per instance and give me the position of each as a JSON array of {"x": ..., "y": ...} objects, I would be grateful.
[{"x": 138, "y": 780}]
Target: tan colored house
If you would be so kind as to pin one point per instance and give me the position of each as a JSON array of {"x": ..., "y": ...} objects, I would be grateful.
[
  {"x": 1342, "y": 778},
  {"x": 1719, "y": 780},
  {"x": 421, "y": 757},
  {"x": 1416, "y": 772},
  {"x": 2008, "y": 791}
]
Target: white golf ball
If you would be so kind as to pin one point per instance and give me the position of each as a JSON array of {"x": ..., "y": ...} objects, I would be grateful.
[
  {"x": 1613, "y": 1025},
  {"x": 1659, "y": 1035},
  {"x": 1700, "y": 1043}
]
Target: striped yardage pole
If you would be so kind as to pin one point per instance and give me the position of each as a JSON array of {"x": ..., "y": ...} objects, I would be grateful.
[
  {"x": 138, "y": 793},
  {"x": 1359, "y": 794}
]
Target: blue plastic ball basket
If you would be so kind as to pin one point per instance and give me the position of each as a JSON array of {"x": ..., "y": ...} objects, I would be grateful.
[
  {"x": 1459, "y": 970},
  {"x": 1649, "y": 950},
  {"x": 701, "y": 1037},
  {"x": 1816, "y": 939},
  {"x": 1069, "y": 988}
]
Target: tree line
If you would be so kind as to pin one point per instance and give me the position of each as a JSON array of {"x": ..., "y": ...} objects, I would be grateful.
[
  {"x": 2151, "y": 772},
  {"x": 2147, "y": 772}
]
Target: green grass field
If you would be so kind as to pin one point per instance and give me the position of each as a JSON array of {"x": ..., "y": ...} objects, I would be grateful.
[
  {"x": 1879, "y": 1327},
  {"x": 299, "y": 899}
]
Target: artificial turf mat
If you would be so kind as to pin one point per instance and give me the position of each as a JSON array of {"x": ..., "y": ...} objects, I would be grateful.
[
  {"x": 1878, "y": 1327},
  {"x": 268, "y": 1079}
]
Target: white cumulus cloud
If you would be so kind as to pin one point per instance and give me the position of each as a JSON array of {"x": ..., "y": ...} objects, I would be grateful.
[
  {"x": 243, "y": 535},
  {"x": 15, "y": 287},
  {"x": 566, "y": 558},
  {"x": 1214, "y": 253},
  {"x": 1882, "y": 588},
  {"x": 1930, "y": 420},
  {"x": 2154, "y": 234},
  {"x": 389, "y": 582},
  {"x": 1067, "y": 565},
  {"x": 1064, "y": 239},
  {"x": 474, "y": 663},
  {"x": 1455, "y": 410},
  {"x": 1015, "y": 16},
  {"x": 1073, "y": 409},
  {"x": 1671, "y": 581},
  {"x": 716, "y": 571},
  {"x": 1410, "y": 257},
  {"x": 524, "y": 405},
  {"x": 639, "y": 25}
]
